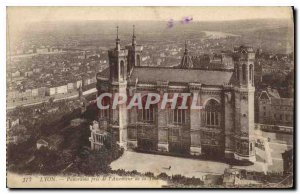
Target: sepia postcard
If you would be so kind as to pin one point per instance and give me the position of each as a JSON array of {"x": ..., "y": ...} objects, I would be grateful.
[{"x": 150, "y": 97}]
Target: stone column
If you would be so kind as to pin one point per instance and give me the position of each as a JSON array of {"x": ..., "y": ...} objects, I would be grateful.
[
  {"x": 162, "y": 120},
  {"x": 229, "y": 124},
  {"x": 195, "y": 119},
  {"x": 118, "y": 120},
  {"x": 132, "y": 120}
]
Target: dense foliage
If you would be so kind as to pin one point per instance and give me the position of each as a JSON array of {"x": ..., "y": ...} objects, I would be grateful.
[{"x": 72, "y": 155}]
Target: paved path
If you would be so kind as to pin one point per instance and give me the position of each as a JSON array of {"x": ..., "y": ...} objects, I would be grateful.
[
  {"x": 188, "y": 167},
  {"x": 158, "y": 163},
  {"x": 198, "y": 168},
  {"x": 272, "y": 156}
]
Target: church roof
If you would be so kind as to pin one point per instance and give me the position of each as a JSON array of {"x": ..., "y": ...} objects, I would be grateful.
[{"x": 154, "y": 74}]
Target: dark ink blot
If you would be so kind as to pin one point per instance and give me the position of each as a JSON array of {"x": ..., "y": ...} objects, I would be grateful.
[
  {"x": 186, "y": 20},
  {"x": 170, "y": 23}
]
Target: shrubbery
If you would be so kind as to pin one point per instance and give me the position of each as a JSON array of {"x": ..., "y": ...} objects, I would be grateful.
[
  {"x": 179, "y": 179},
  {"x": 175, "y": 179}
]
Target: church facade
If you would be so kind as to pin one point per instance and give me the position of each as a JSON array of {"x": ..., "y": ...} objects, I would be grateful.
[{"x": 224, "y": 126}]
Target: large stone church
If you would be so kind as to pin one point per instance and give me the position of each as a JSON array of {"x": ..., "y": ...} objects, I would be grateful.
[{"x": 223, "y": 127}]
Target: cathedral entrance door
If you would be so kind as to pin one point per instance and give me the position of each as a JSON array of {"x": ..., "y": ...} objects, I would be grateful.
[
  {"x": 177, "y": 141},
  {"x": 146, "y": 139}
]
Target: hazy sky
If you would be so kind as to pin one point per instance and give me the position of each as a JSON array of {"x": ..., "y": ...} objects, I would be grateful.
[
  {"x": 19, "y": 17},
  {"x": 29, "y": 14}
]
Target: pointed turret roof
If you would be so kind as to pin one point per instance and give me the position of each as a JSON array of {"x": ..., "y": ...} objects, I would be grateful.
[
  {"x": 118, "y": 47},
  {"x": 186, "y": 61},
  {"x": 133, "y": 36}
]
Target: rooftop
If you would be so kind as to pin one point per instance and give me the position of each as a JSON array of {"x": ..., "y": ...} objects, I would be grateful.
[{"x": 154, "y": 74}]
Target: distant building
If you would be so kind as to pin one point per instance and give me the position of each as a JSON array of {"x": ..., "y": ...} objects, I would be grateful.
[
  {"x": 16, "y": 74},
  {"x": 17, "y": 134},
  {"x": 28, "y": 73},
  {"x": 42, "y": 50},
  {"x": 12, "y": 123},
  {"x": 37, "y": 70},
  {"x": 223, "y": 60},
  {"x": 274, "y": 110},
  {"x": 41, "y": 143}
]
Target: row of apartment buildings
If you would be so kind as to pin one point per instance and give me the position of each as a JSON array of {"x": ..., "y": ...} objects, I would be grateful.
[{"x": 51, "y": 90}]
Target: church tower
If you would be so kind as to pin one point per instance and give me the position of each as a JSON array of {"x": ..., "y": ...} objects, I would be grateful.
[
  {"x": 186, "y": 61},
  {"x": 134, "y": 52},
  {"x": 118, "y": 82},
  {"x": 244, "y": 89}
]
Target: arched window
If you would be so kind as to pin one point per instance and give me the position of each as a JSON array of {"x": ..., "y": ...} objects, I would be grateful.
[
  {"x": 122, "y": 73},
  {"x": 178, "y": 116},
  {"x": 244, "y": 72},
  {"x": 251, "y": 74},
  {"x": 138, "y": 60},
  {"x": 116, "y": 71},
  {"x": 212, "y": 113},
  {"x": 236, "y": 72},
  {"x": 146, "y": 114}
]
